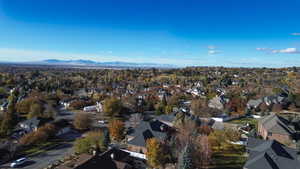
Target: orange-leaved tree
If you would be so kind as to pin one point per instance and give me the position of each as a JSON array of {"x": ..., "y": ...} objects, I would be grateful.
[{"x": 116, "y": 130}]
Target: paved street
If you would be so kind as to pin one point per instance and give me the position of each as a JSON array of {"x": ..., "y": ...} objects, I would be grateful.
[{"x": 43, "y": 160}]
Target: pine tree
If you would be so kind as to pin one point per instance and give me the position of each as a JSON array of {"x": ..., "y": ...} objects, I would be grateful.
[
  {"x": 185, "y": 159},
  {"x": 9, "y": 119}
]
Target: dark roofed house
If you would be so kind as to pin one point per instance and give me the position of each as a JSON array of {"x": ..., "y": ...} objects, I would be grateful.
[
  {"x": 168, "y": 119},
  {"x": 111, "y": 159},
  {"x": 30, "y": 124},
  {"x": 277, "y": 128},
  {"x": 270, "y": 154},
  {"x": 146, "y": 130}
]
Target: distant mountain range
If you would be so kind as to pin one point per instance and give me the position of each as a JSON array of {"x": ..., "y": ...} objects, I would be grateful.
[{"x": 87, "y": 63}]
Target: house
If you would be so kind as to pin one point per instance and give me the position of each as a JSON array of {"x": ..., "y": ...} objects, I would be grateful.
[
  {"x": 269, "y": 100},
  {"x": 98, "y": 107},
  {"x": 90, "y": 108},
  {"x": 217, "y": 102},
  {"x": 277, "y": 128},
  {"x": 167, "y": 118},
  {"x": 136, "y": 140},
  {"x": 270, "y": 154},
  {"x": 62, "y": 127},
  {"x": 66, "y": 102},
  {"x": 30, "y": 124},
  {"x": 254, "y": 104},
  {"x": 111, "y": 159}
]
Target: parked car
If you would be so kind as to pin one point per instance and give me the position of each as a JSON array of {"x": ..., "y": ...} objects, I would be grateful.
[
  {"x": 101, "y": 121},
  {"x": 18, "y": 162}
]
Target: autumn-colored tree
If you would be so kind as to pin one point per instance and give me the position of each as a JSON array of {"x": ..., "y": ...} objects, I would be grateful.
[
  {"x": 205, "y": 152},
  {"x": 98, "y": 139},
  {"x": 217, "y": 139},
  {"x": 82, "y": 121},
  {"x": 36, "y": 110},
  {"x": 205, "y": 129},
  {"x": 168, "y": 109},
  {"x": 24, "y": 105},
  {"x": 199, "y": 107},
  {"x": 232, "y": 135},
  {"x": 94, "y": 140},
  {"x": 236, "y": 105},
  {"x": 41, "y": 135},
  {"x": 116, "y": 130},
  {"x": 82, "y": 145},
  {"x": 112, "y": 107},
  {"x": 155, "y": 153}
]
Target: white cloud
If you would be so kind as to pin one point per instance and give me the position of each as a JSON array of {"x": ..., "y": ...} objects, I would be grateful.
[
  {"x": 287, "y": 50},
  {"x": 262, "y": 49},
  {"x": 212, "y": 50},
  {"x": 295, "y": 34}
]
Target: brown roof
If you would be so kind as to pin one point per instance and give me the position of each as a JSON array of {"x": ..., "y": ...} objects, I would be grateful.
[{"x": 83, "y": 158}]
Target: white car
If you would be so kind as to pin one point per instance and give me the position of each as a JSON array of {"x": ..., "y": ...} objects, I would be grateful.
[
  {"x": 18, "y": 162},
  {"x": 101, "y": 121}
]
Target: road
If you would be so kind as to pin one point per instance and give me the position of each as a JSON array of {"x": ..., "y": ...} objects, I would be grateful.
[{"x": 43, "y": 160}]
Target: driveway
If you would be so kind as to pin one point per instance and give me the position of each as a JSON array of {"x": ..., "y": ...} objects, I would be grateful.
[{"x": 43, "y": 160}]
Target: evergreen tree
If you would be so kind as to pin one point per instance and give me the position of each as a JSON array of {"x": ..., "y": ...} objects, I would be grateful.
[
  {"x": 9, "y": 120},
  {"x": 185, "y": 159},
  {"x": 106, "y": 140}
]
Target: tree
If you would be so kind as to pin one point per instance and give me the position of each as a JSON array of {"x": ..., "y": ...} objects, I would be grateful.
[
  {"x": 205, "y": 151},
  {"x": 112, "y": 107},
  {"x": 155, "y": 153},
  {"x": 116, "y": 130},
  {"x": 82, "y": 145},
  {"x": 168, "y": 109},
  {"x": 9, "y": 120},
  {"x": 40, "y": 136},
  {"x": 160, "y": 108},
  {"x": 185, "y": 160},
  {"x": 82, "y": 121},
  {"x": 36, "y": 110},
  {"x": 96, "y": 140},
  {"x": 217, "y": 138}
]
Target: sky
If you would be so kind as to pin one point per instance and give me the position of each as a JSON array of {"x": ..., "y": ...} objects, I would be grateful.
[{"x": 231, "y": 33}]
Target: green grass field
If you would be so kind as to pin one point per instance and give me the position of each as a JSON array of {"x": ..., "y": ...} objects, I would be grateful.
[{"x": 232, "y": 157}]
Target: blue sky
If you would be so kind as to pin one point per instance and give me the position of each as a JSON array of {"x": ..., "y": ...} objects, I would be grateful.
[{"x": 246, "y": 33}]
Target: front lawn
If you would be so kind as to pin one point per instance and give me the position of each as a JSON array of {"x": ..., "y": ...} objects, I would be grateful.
[{"x": 230, "y": 157}]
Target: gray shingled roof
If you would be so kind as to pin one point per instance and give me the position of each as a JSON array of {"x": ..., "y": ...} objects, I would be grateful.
[
  {"x": 276, "y": 124},
  {"x": 33, "y": 122},
  {"x": 271, "y": 155},
  {"x": 146, "y": 130},
  {"x": 167, "y": 117}
]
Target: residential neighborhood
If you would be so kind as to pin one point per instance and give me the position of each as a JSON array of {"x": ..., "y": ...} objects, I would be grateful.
[{"x": 150, "y": 118}]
